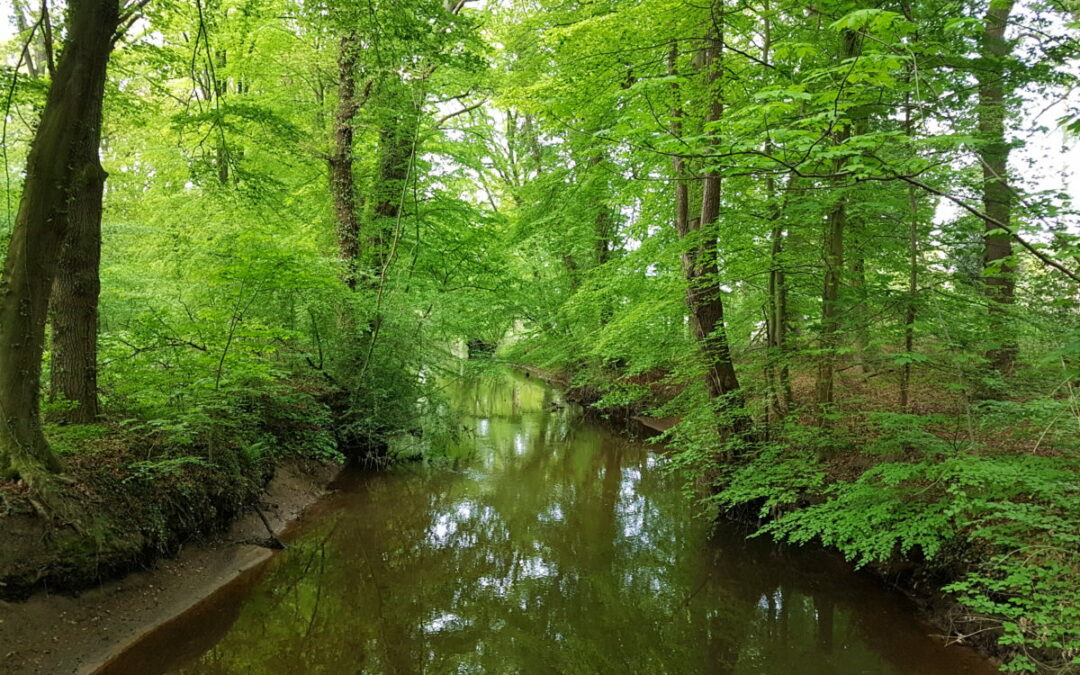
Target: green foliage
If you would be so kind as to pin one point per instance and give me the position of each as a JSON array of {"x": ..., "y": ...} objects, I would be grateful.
[
  {"x": 515, "y": 185},
  {"x": 892, "y": 508},
  {"x": 1013, "y": 517},
  {"x": 774, "y": 480},
  {"x": 76, "y": 438},
  {"x": 163, "y": 469}
]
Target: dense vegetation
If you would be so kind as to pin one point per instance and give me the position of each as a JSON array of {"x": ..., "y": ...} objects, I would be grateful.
[{"x": 836, "y": 241}]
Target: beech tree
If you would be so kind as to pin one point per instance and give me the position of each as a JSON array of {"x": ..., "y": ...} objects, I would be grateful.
[
  {"x": 62, "y": 176},
  {"x": 698, "y": 232},
  {"x": 999, "y": 267}
]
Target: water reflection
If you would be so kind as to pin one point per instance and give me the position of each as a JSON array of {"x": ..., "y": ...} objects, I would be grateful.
[{"x": 557, "y": 548}]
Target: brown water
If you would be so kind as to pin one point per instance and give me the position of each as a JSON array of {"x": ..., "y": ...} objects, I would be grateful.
[{"x": 556, "y": 546}]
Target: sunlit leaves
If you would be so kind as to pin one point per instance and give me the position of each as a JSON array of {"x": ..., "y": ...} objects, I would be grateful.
[{"x": 877, "y": 22}]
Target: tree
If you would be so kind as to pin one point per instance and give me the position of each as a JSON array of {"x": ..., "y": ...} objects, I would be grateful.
[
  {"x": 73, "y": 306},
  {"x": 999, "y": 266},
  {"x": 833, "y": 254},
  {"x": 342, "y": 180},
  {"x": 699, "y": 260},
  {"x": 56, "y": 165}
]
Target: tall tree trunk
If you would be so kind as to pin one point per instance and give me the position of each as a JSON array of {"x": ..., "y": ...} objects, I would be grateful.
[
  {"x": 911, "y": 308},
  {"x": 856, "y": 235},
  {"x": 699, "y": 259},
  {"x": 397, "y": 138},
  {"x": 780, "y": 380},
  {"x": 342, "y": 182},
  {"x": 913, "y": 294},
  {"x": 778, "y": 373},
  {"x": 998, "y": 269},
  {"x": 833, "y": 250},
  {"x": 397, "y": 144},
  {"x": 74, "y": 304},
  {"x": 40, "y": 230},
  {"x": 705, "y": 297},
  {"x": 913, "y": 253},
  {"x": 833, "y": 254}
]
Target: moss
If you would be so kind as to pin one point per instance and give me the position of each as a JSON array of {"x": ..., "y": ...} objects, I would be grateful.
[{"x": 139, "y": 499}]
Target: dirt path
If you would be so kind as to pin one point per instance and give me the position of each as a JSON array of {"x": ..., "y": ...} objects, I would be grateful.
[{"x": 52, "y": 634}]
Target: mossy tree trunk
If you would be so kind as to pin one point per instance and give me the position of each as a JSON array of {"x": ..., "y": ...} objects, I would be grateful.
[
  {"x": 74, "y": 304},
  {"x": 340, "y": 160},
  {"x": 54, "y": 169},
  {"x": 397, "y": 143}
]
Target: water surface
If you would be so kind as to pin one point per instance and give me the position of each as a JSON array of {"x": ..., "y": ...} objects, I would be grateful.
[{"x": 557, "y": 546}]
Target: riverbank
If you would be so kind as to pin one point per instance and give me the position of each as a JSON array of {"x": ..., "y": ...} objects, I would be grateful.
[
  {"x": 151, "y": 515},
  {"x": 133, "y": 492},
  {"x": 53, "y": 634}
]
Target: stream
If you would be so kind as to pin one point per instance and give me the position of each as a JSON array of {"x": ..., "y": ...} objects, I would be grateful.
[{"x": 551, "y": 545}]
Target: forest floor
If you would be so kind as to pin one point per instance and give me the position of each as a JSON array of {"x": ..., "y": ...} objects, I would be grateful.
[{"x": 54, "y": 634}]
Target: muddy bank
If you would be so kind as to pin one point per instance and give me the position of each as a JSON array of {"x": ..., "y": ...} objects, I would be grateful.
[
  {"x": 133, "y": 491},
  {"x": 56, "y": 634}
]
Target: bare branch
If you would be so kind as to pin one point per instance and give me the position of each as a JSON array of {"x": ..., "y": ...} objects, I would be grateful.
[
  {"x": 444, "y": 118},
  {"x": 1046, "y": 260}
]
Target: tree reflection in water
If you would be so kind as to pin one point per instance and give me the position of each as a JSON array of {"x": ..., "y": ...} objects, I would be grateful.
[{"x": 557, "y": 547}]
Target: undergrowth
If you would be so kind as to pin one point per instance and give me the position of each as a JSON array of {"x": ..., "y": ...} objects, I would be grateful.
[
  {"x": 1000, "y": 524},
  {"x": 979, "y": 499}
]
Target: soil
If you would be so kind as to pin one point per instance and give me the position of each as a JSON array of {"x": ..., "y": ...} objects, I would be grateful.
[
  {"x": 660, "y": 424},
  {"x": 54, "y": 634}
]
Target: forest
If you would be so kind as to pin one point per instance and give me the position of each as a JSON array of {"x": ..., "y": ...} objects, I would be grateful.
[{"x": 830, "y": 249}]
